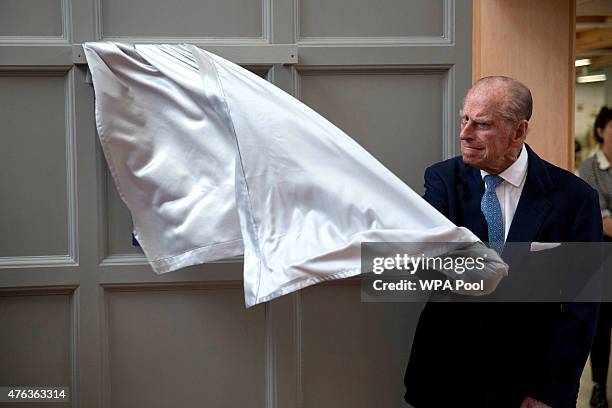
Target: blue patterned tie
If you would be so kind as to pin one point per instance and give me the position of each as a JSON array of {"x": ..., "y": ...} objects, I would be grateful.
[{"x": 492, "y": 212}]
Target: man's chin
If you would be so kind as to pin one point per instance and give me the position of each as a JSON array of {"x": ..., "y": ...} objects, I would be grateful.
[{"x": 470, "y": 160}]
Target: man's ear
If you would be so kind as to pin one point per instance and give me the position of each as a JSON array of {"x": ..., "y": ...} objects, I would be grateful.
[{"x": 521, "y": 131}]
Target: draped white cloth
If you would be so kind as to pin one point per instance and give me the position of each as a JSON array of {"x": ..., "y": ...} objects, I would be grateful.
[{"x": 214, "y": 161}]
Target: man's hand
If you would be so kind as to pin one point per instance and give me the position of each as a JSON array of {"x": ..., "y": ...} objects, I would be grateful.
[{"x": 529, "y": 402}]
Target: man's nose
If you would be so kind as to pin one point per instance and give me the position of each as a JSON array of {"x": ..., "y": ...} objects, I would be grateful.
[{"x": 466, "y": 131}]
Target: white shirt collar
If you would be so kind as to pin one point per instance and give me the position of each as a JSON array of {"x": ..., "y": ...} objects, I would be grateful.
[
  {"x": 515, "y": 174},
  {"x": 602, "y": 160}
]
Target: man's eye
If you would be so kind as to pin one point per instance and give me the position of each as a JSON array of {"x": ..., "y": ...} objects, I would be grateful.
[{"x": 481, "y": 125}]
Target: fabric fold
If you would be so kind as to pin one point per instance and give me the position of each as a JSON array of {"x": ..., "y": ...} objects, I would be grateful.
[{"x": 213, "y": 161}]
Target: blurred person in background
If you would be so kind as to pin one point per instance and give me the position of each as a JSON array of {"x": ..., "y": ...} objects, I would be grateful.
[{"x": 596, "y": 171}]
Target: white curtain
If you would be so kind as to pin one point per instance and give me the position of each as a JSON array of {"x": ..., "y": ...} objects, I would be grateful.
[{"x": 214, "y": 161}]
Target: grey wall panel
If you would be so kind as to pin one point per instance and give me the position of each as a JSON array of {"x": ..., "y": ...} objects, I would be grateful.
[
  {"x": 397, "y": 115},
  {"x": 30, "y": 18},
  {"x": 118, "y": 221},
  {"x": 182, "y": 18},
  {"x": 33, "y": 181},
  {"x": 364, "y": 18},
  {"x": 184, "y": 338},
  {"x": 185, "y": 348},
  {"x": 354, "y": 354},
  {"x": 35, "y": 340}
]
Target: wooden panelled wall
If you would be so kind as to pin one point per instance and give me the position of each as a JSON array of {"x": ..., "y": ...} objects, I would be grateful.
[{"x": 533, "y": 41}]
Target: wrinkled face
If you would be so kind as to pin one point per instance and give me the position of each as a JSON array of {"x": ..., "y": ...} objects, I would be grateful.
[{"x": 488, "y": 140}]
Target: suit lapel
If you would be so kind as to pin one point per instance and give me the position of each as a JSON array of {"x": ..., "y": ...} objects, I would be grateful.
[
  {"x": 534, "y": 205},
  {"x": 532, "y": 209}
]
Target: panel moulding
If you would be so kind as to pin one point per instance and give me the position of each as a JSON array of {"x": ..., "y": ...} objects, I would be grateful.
[
  {"x": 65, "y": 38},
  {"x": 449, "y": 108},
  {"x": 266, "y": 32},
  {"x": 447, "y": 38},
  {"x": 72, "y": 258}
]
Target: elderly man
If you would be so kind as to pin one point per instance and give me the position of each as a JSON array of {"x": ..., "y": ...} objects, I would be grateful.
[{"x": 504, "y": 354}]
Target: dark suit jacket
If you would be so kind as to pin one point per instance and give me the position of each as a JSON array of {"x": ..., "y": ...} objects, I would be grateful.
[{"x": 495, "y": 354}]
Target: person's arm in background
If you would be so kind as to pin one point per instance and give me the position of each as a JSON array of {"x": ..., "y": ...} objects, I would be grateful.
[
  {"x": 607, "y": 225},
  {"x": 586, "y": 172}
]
